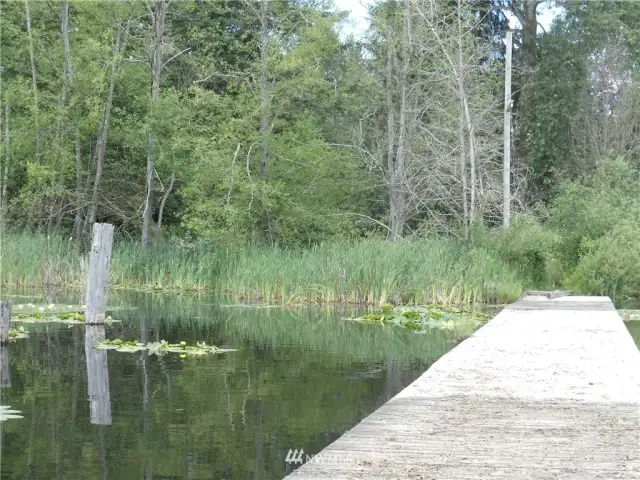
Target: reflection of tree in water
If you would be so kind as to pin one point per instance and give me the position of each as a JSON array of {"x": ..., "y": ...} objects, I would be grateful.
[
  {"x": 299, "y": 380},
  {"x": 394, "y": 379},
  {"x": 5, "y": 372}
]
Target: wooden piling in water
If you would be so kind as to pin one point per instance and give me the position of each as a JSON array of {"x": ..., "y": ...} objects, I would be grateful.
[
  {"x": 98, "y": 281},
  {"x": 5, "y": 322}
]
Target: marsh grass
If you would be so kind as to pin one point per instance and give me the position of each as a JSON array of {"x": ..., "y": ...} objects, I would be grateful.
[
  {"x": 367, "y": 272},
  {"x": 374, "y": 272}
]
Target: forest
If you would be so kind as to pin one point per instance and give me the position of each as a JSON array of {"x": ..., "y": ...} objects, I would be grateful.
[{"x": 250, "y": 148}]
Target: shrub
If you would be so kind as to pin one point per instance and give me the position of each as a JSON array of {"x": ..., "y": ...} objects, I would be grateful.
[
  {"x": 610, "y": 265},
  {"x": 527, "y": 246},
  {"x": 592, "y": 207},
  {"x": 531, "y": 247}
]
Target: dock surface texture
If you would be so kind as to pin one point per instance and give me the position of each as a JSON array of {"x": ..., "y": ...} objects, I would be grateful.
[{"x": 548, "y": 389}]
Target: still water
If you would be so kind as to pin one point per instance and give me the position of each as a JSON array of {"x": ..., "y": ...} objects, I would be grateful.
[
  {"x": 299, "y": 379},
  {"x": 634, "y": 330}
]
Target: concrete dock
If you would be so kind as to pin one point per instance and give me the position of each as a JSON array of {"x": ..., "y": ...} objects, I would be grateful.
[{"x": 548, "y": 389}]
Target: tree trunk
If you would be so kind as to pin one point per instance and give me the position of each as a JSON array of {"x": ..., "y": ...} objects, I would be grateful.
[
  {"x": 467, "y": 119},
  {"x": 472, "y": 156},
  {"x": 399, "y": 174},
  {"x": 391, "y": 136},
  {"x": 144, "y": 338},
  {"x": 34, "y": 80},
  {"x": 164, "y": 199},
  {"x": 77, "y": 224},
  {"x": 101, "y": 143},
  {"x": 528, "y": 19},
  {"x": 463, "y": 173},
  {"x": 5, "y": 165},
  {"x": 529, "y": 37},
  {"x": 264, "y": 110},
  {"x": 397, "y": 146},
  {"x": 158, "y": 16},
  {"x": 506, "y": 165}
]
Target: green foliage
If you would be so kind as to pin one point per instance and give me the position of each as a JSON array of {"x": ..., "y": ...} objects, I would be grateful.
[
  {"x": 434, "y": 270},
  {"x": 162, "y": 347},
  {"x": 422, "y": 318},
  {"x": 374, "y": 271},
  {"x": 17, "y": 333},
  {"x": 594, "y": 206},
  {"x": 527, "y": 246},
  {"x": 579, "y": 112},
  {"x": 206, "y": 123},
  {"x": 610, "y": 265},
  {"x": 240, "y": 229}
]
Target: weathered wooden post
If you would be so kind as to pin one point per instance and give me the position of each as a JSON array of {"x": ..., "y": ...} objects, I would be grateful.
[
  {"x": 98, "y": 376},
  {"x": 98, "y": 282},
  {"x": 5, "y": 326},
  {"x": 5, "y": 322}
]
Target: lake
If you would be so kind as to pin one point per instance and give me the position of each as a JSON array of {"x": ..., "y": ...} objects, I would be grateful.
[{"x": 299, "y": 380}]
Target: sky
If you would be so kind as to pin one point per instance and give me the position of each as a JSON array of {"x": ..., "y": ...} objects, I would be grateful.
[{"x": 358, "y": 22}]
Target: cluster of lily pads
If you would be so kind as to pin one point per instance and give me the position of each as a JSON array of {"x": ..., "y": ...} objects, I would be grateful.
[
  {"x": 71, "y": 318},
  {"x": 162, "y": 347},
  {"x": 16, "y": 333},
  {"x": 422, "y": 318},
  {"x": 7, "y": 414},
  {"x": 69, "y": 314}
]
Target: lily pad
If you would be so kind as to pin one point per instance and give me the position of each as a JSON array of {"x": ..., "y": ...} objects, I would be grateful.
[
  {"x": 17, "y": 333},
  {"x": 71, "y": 318},
  {"x": 422, "y": 318},
  {"x": 162, "y": 347}
]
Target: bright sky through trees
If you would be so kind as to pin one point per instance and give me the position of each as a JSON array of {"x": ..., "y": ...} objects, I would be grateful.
[{"x": 358, "y": 22}]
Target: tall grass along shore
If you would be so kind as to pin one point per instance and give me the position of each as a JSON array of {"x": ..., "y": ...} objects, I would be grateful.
[{"x": 373, "y": 271}]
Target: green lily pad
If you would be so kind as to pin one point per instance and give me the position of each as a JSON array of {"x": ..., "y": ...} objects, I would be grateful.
[
  {"x": 163, "y": 347},
  {"x": 17, "y": 333},
  {"x": 71, "y": 318},
  {"x": 422, "y": 318}
]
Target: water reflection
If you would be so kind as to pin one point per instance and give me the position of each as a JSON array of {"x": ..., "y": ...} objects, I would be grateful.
[
  {"x": 97, "y": 375},
  {"x": 299, "y": 379},
  {"x": 5, "y": 372},
  {"x": 634, "y": 330}
]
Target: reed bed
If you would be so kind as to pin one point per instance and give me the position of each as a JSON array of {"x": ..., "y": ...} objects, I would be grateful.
[{"x": 369, "y": 272}]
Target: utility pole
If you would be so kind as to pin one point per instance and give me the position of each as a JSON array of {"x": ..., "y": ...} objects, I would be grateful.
[{"x": 506, "y": 181}]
